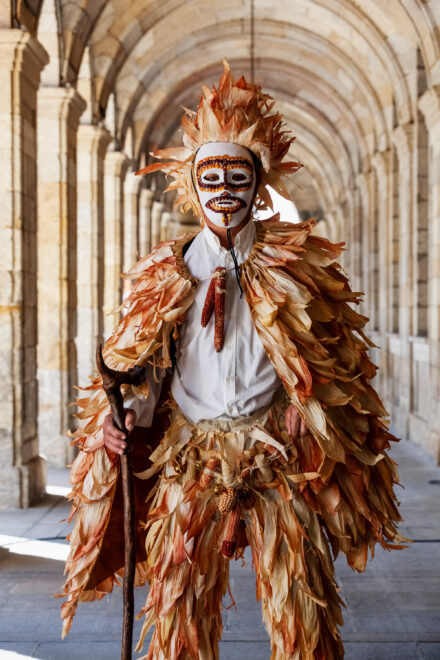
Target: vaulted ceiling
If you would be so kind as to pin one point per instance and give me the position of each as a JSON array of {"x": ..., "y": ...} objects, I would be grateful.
[{"x": 345, "y": 72}]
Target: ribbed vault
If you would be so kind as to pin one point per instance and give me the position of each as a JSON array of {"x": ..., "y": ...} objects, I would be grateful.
[
  {"x": 343, "y": 72},
  {"x": 334, "y": 65}
]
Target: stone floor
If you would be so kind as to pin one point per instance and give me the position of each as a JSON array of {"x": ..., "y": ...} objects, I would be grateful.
[{"x": 393, "y": 609}]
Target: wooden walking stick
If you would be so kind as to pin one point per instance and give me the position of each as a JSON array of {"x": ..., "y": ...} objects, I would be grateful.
[{"x": 112, "y": 381}]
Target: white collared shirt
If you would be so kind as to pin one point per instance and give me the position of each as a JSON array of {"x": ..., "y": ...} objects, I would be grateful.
[{"x": 240, "y": 378}]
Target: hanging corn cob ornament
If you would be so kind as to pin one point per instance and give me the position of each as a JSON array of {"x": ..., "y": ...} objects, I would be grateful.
[
  {"x": 227, "y": 500},
  {"x": 220, "y": 290},
  {"x": 191, "y": 468},
  {"x": 227, "y": 473},
  {"x": 208, "y": 307},
  {"x": 230, "y": 541},
  {"x": 208, "y": 476},
  {"x": 215, "y": 300}
]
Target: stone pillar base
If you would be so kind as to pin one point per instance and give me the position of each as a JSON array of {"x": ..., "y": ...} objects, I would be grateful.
[{"x": 23, "y": 485}]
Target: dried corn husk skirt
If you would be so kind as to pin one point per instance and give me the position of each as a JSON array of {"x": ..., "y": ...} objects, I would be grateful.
[{"x": 223, "y": 486}]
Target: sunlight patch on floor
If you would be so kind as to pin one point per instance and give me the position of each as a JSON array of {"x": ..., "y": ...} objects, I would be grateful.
[
  {"x": 12, "y": 655},
  {"x": 34, "y": 548},
  {"x": 62, "y": 491}
]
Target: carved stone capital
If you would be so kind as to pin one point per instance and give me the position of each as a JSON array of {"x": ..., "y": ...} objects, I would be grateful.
[{"x": 429, "y": 104}]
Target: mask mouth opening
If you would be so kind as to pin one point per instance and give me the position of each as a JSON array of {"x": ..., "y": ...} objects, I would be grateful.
[{"x": 225, "y": 203}]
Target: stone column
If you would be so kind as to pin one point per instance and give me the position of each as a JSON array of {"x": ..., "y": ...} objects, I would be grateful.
[
  {"x": 369, "y": 249},
  {"x": 182, "y": 224},
  {"x": 21, "y": 469},
  {"x": 356, "y": 240},
  {"x": 382, "y": 163},
  {"x": 340, "y": 220},
  {"x": 349, "y": 260},
  {"x": 92, "y": 145},
  {"x": 403, "y": 137},
  {"x": 156, "y": 215},
  {"x": 394, "y": 238},
  {"x": 115, "y": 168},
  {"x": 131, "y": 214},
  {"x": 361, "y": 237},
  {"x": 145, "y": 203},
  {"x": 165, "y": 225},
  {"x": 59, "y": 110},
  {"x": 401, "y": 372},
  {"x": 130, "y": 234},
  {"x": 429, "y": 104}
]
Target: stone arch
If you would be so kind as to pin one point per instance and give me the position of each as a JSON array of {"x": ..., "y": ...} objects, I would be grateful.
[
  {"x": 151, "y": 76},
  {"x": 79, "y": 20},
  {"x": 165, "y": 119},
  {"x": 352, "y": 20},
  {"x": 24, "y": 13}
]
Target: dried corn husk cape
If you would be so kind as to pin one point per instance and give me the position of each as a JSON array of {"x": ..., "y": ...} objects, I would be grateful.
[
  {"x": 301, "y": 305},
  {"x": 236, "y": 112}
]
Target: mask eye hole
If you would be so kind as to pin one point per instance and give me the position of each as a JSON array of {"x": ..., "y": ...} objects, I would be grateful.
[
  {"x": 239, "y": 177},
  {"x": 212, "y": 177}
]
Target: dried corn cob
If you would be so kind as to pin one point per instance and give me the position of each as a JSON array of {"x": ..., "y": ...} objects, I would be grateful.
[
  {"x": 208, "y": 307},
  {"x": 206, "y": 478},
  {"x": 191, "y": 468},
  {"x": 220, "y": 290},
  {"x": 227, "y": 472},
  {"x": 227, "y": 500},
  {"x": 230, "y": 541}
]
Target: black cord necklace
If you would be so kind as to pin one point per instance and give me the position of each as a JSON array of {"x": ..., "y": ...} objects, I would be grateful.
[{"x": 234, "y": 259}]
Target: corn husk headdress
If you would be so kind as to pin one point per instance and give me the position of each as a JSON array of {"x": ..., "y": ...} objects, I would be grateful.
[{"x": 238, "y": 112}]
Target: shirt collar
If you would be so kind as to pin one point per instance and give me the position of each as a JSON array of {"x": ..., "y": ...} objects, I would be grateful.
[{"x": 244, "y": 241}]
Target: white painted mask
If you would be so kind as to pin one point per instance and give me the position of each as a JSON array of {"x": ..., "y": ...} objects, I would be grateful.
[{"x": 225, "y": 180}]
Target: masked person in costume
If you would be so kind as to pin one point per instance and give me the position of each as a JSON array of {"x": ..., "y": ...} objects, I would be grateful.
[{"x": 256, "y": 425}]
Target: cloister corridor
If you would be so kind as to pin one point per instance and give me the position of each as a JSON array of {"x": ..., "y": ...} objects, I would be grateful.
[{"x": 88, "y": 89}]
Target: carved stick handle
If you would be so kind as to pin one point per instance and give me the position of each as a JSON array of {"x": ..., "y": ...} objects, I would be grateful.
[{"x": 112, "y": 381}]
